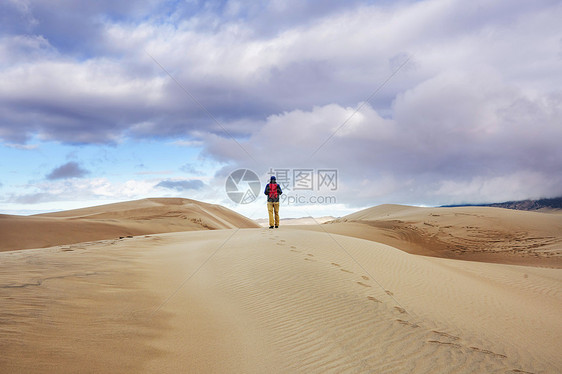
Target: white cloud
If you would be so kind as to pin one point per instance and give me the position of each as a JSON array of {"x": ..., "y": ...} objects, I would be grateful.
[
  {"x": 447, "y": 131},
  {"x": 517, "y": 186},
  {"x": 87, "y": 190},
  {"x": 25, "y": 147},
  {"x": 187, "y": 143}
]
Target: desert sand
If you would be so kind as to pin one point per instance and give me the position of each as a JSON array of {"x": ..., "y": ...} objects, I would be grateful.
[
  {"x": 466, "y": 233},
  {"x": 290, "y": 300},
  {"x": 147, "y": 216},
  {"x": 264, "y": 222}
]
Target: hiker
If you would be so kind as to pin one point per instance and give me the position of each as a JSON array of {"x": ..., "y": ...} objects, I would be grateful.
[{"x": 273, "y": 190}]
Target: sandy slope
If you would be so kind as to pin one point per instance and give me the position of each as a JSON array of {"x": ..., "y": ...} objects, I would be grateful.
[
  {"x": 469, "y": 233},
  {"x": 280, "y": 301},
  {"x": 110, "y": 221}
]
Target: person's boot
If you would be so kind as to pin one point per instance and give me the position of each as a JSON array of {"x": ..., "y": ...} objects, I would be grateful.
[{"x": 270, "y": 227}]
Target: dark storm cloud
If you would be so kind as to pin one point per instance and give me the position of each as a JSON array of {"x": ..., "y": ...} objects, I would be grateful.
[
  {"x": 181, "y": 185},
  {"x": 445, "y": 144},
  {"x": 78, "y": 73},
  {"x": 74, "y": 27},
  {"x": 68, "y": 170}
]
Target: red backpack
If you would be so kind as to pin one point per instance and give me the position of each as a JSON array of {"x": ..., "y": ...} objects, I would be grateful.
[{"x": 273, "y": 191}]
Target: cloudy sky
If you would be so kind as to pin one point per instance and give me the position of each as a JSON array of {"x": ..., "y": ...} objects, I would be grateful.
[{"x": 425, "y": 102}]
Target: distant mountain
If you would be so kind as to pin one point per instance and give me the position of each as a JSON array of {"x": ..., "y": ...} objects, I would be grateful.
[{"x": 541, "y": 204}]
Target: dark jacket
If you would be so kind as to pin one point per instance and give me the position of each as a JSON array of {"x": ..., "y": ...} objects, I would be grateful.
[{"x": 271, "y": 199}]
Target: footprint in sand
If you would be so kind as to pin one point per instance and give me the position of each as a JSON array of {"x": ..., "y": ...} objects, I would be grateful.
[
  {"x": 400, "y": 309},
  {"x": 310, "y": 254},
  {"x": 294, "y": 250},
  {"x": 309, "y": 259},
  {"x": 374, "y": 299},
  {"x": 444, "y": 343},
  {"x": 406, "y": 323},
  {"x": 293, "y": 246},
  {"x": 338, "y": 265},
  {"x": 347, "y": 271},
  {"x": 389, "y": 293},
  {"x": 445, "y": 335},
  {"x": 365, "y": 277},
  {"x": 485, "y": 351},
  {"x": 363, "y": 284}
]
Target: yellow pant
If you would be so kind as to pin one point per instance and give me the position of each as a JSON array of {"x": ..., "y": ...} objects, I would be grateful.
[{"x": 273, "y": 208}]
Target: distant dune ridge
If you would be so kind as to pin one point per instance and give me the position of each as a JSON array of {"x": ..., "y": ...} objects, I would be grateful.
[
  {"x": 224, "y": 295},
  {"x": 469, "y": 233},
  {"x": 147, "y": 216}
]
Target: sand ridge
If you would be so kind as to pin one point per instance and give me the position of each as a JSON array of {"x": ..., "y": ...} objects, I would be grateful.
[
  {"x": 468, "y": 233},
  {"x": 141, "y": 217}
]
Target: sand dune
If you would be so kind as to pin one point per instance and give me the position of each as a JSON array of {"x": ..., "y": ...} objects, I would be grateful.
[
  {"x": 281, "y": 301},
  {"x": 298, "y": 299},
  {"x": 468, "y": 233},
  {"x": 110, "y": 221}
]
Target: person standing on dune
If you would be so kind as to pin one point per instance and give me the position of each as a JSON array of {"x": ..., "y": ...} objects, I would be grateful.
[{"x": 273, "y": 190}]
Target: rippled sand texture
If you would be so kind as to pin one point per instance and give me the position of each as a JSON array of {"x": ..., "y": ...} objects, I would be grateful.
[{"x": 284, "y": 301}]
